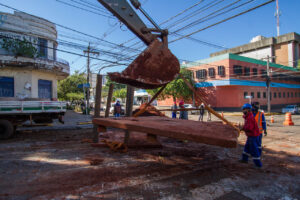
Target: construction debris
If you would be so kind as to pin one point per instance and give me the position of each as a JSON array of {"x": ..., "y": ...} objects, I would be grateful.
[
  {"x": 213, "y": 133},
  {"x": 150, "y": 111},
  {"x": 153, "y": 68}
]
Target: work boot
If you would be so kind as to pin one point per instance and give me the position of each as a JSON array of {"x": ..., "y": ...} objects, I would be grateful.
[
  {"x": 243, "y": 161},
  {"x": 257, "y": 163}
]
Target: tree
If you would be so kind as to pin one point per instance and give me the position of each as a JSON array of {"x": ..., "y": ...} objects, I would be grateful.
[
  {"x": 176, "y": 88},
  {"x": 120, "y": 93},
  {"x": 69, "y": 85},
  {"x": 75, "y": 96},
  {"x": 117, "y": 86},
  {"x": 19, "y": 47}
]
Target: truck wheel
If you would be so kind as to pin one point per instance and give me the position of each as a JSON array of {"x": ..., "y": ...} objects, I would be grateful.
[{"x": 6, "y": 129}]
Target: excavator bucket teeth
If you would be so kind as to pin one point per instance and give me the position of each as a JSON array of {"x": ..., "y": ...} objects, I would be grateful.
[{"x": 153, "y": 68}]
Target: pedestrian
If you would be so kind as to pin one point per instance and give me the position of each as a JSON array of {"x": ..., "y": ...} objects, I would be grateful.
[
  {"x": 117, "y": 109},
  {"x": 174, "y": 112},
  {"x": 251, "y": 130},
  {"x": 208, "y": 114},
  {"x": 183, "y": 113},
  {"x": 261, "y": 122},
  {"x": 201, "y": 109}
]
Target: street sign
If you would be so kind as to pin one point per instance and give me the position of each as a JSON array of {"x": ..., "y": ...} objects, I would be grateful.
[
  {"x": 248, "y": 97},
  {"x": 84, "y": 85}
]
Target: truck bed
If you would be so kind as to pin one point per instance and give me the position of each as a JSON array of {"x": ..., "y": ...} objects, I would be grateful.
[{"x": 15, "y": 107}]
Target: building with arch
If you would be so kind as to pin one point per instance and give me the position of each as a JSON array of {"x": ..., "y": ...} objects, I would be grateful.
[{"x": 29, "y": 67}]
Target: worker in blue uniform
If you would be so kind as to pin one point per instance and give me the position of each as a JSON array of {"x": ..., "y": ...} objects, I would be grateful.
[
  {"x": 261, "y": 122},
  {"x": 251, "y": 130}
]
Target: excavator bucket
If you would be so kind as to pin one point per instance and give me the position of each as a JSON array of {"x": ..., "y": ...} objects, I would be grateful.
[{"x": 153, "y": 68}]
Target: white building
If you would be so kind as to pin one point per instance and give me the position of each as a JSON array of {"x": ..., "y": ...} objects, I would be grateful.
[{"x": 33, "y": 74}]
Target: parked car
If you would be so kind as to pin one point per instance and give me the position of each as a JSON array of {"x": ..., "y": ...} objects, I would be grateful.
[
  {"x": 294, "y": 109},
  {"x": 192, "y": 112}
]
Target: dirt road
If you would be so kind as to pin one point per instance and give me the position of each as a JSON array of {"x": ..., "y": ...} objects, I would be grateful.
[{"x": 62, "y": 165}]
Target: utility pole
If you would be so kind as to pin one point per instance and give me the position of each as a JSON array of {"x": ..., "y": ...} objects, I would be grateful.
[
  {"x": 88, "y": 52},
  {"x": 129, "y": 100},
  {"x": 277, "y": 14},
  {"x": 268, "y": 84}
]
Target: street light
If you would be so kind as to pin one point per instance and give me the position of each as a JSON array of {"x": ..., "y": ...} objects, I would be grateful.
[{"x": 106, "y": 66}]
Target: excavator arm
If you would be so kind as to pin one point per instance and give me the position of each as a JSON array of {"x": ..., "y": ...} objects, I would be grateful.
[
  {"x": 156, "y": 65},
  {"x": 125, "y": 13}
]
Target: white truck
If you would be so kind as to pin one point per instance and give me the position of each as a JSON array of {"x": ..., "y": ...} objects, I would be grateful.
[{"x": 14, "y": 113}]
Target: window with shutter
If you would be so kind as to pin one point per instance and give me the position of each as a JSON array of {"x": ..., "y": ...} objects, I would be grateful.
[
  {"x": 254, "y": 71},
  {"x": 237, "y": 70},
  {"x": 201, "y": 74},
  {"x": 221, "y": 70},
  {"x": 6, "y": 86},
  {"x": 246, "y": 71},
  {"x": 211, "y": 72}
]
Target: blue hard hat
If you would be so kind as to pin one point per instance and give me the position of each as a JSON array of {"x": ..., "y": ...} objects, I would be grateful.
[{"x": 246, "y": 106}]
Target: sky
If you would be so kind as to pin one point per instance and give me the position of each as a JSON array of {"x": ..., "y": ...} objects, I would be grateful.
[{"x": 235, "y": 32}]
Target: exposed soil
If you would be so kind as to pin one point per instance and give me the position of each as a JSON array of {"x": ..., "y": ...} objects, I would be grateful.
[
  {"x": 150, "y": 111},
  {"x": 64, "y": 165},
  {"x": 153, "y": 68}
]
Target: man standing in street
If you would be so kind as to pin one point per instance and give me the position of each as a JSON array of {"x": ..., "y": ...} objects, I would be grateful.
[
  {"x": 251, "y": 129},
  {"x": 201, "y": 112},
  {"x": 208, "y": 114},
  {"x": 183, "y": 113},
  {"x": 117, "y": 109},
  {"x": 261, "y": 122},
  {"x": 174, "y": 107}
]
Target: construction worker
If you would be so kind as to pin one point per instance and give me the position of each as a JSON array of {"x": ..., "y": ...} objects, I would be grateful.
[
  {"x": 174, "y": 113},
  {"x": 261, "y": 122},
  {"x": 183, "y": 113},
  {"x": 201, "y": 112},
  {"x": 117, "y": 109},
  {"x": 251, "y": 129}
]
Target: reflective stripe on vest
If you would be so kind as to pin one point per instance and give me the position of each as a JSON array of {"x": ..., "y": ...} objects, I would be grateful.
[{"x": 258, "y": 119}]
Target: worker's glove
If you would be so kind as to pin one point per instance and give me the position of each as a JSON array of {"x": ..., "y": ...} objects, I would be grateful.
[{"x": 265, "y": 133}]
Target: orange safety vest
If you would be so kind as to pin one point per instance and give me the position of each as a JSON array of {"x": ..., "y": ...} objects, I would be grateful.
[{"x": 258, "y": 119}]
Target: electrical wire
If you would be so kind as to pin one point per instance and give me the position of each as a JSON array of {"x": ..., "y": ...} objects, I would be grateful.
[
  {"x": 207, "y": 17},
  {"x": 81, "y": 47},
  {"x": 191, "y": 38},
  {"x": 90, "y": 11},
  {"x": 109, "y": 61},
  {"x": 222, "y": 21},
  {"x": 76, "y": 31},
  {"x": 198, "y": 11},
  {"x": 92, "y": 7}
]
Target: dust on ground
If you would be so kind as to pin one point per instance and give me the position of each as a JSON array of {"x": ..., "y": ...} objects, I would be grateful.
[{"x": 62, "y": 164}]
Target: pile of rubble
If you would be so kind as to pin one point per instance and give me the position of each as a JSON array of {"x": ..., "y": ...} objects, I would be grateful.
[{"x": 150, "y": 111}]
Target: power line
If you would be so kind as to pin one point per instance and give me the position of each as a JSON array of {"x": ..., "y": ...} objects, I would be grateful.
[
  {"x": 92, "y": 7},
  {"x": 202, "y": 41},
  {"x": 71, "y": 29},
  {"x": 198, "y": 11},
  {"x": 191, "y": 38},
  {"x": 81, "y": 47},
  {"x": 198, "y": 21},
  {"x": 182, "y": 12},
  {"x": 109, "y": 61},
  {"x": 224, "y": 20},
  {"x": 90, "y": 11}
]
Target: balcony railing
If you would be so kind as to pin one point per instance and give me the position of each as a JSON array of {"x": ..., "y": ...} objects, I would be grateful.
[{"x": 49, "y": 58}]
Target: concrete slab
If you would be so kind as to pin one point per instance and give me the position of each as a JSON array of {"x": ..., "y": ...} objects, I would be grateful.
[{"x": 212, "y": 133}]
